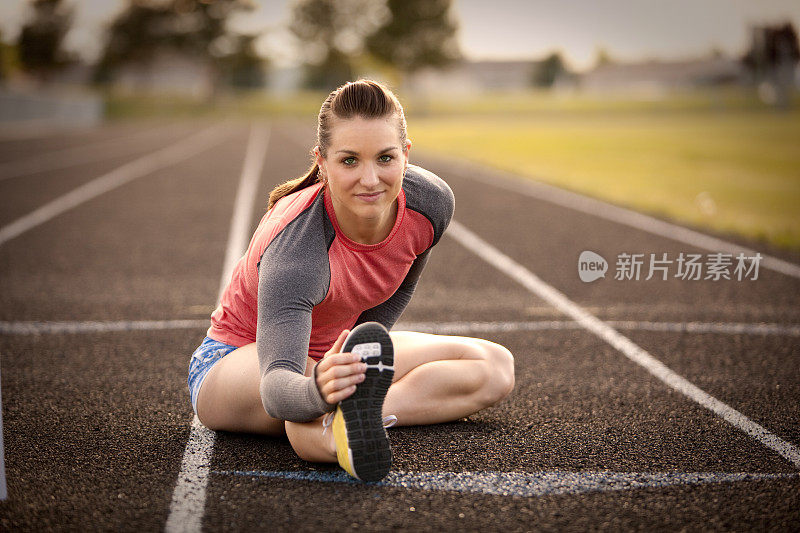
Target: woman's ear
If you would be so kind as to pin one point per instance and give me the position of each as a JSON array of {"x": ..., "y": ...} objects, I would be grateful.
[{"x": 320, "y": 161}]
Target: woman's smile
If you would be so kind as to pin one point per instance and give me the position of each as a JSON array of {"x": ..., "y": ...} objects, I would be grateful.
[{"x": 370, "y": 197}]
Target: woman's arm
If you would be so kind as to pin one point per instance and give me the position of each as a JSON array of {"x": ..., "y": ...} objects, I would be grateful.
[{"x": 290, "y": 284}]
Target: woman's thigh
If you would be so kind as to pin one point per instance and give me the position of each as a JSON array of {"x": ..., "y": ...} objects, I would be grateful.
[
  {"x": 229, "y": 398},
  {"x": 412, "y": 349}
]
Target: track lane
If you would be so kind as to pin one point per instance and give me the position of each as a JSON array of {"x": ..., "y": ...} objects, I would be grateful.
[
  {"x": 22, "y": 195},
  {"x": 123, "y": 251}
]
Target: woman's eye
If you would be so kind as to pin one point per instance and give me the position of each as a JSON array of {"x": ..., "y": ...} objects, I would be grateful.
[
  {"x": 349, "y": 160},
  {"x": 385, "y": 158}
]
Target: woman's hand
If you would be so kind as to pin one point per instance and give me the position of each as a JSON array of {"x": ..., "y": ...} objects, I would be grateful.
[{"x": 339, "y": 373}]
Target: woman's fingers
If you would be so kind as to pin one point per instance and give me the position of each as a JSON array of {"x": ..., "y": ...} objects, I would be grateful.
[
  {"x": 333, "y": 381},
  {"x": 344, "y": 370},
  {"x": 336, "y": 360},
  {"x": 337, "y": 390},
  {"x": 338, "y": 373},
  {"x": 340, "y": 395}
]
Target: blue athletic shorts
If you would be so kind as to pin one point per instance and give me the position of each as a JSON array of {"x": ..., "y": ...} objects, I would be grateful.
[{"x": 203, "y": 358}]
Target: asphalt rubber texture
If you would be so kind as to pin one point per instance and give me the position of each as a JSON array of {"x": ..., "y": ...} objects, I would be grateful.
[{"x": 95, "y": 424}]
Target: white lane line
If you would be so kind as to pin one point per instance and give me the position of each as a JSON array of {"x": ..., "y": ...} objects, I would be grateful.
[
  {"x": 39, "y": 328},
  {"x": 137, "y": 168},
  {"x": 706, "y": 327},
  {"x": 239, "y": 230},
  {"x": 74, "y": 156},
  {"x": 92, "y": 326},
  {"x": 530, "y": 281},
  {"x": 189, "y": 497},
  {"x": 620, "y": 215},
  {"x": 545, "y": 325},
  {"x": 522, "y": 484}
]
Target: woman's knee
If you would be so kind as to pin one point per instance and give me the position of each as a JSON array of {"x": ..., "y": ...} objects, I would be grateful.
[{"x": 499, "y": 367}]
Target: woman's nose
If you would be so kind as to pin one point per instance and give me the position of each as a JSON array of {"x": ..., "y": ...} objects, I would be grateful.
[{"x": 369, "y": 178}]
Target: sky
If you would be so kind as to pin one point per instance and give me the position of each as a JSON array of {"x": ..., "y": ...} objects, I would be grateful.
[{"x": 508, "y": 29}]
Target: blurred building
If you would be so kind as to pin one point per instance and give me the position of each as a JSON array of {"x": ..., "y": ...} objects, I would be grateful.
[
  {"x": 649, "y": 76},
  {"x": 480, "y": 76},
  {"x": 168, "y": 72},
  {"x": 659, "y": 76}
]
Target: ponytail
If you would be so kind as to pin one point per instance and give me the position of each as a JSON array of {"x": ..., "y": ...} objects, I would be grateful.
[{"x": 288, "y": 187}]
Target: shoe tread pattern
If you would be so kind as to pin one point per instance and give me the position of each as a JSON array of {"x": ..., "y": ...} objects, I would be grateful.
[{"x": 363, "y": 410}]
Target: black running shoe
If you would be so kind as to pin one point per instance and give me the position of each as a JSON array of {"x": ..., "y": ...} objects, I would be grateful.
[{"x": 362, "y": 445}]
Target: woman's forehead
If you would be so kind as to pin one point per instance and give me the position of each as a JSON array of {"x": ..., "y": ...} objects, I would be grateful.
[{"x": 367, "y": 133}]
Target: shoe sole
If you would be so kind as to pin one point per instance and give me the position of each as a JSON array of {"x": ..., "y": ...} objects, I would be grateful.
[{"x": 368, "y": 443}]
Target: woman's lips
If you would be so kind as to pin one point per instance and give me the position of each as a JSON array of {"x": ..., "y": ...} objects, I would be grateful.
[{"x": 370, "y": 197}]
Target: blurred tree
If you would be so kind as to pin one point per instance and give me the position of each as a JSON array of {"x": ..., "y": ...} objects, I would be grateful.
[
  {"x": 244, "y": 68},
  {"x": 716, "y": 53},
  {"x": 602, "y": 57},
  {"x": 331, "y": 36},
  {"x": 8, "y": 55},
  {"x": 4, "y": 67},
  {"x": 417, "y": 34},
  {"x": 772, "y": 58},
  {"x": 548, "y": 71},
  {"x": 41, "y": 39},
  {"x": 135, "y": 36},
  {"x": 194, "y": 28}
]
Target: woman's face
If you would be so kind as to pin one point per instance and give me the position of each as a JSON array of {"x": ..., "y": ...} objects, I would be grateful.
[{"x": 364, "y": 168}]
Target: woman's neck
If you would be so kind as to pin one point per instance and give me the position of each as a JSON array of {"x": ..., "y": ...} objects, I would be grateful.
[{"x": 365, "y": 231}]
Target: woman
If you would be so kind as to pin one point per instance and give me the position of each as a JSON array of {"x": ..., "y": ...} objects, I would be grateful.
[{"x": 342, "y": 246}]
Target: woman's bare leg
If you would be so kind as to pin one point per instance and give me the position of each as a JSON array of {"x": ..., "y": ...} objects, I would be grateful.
[
  {"x": 229, "y": 399},
  {"x": 438, "y": 378}
]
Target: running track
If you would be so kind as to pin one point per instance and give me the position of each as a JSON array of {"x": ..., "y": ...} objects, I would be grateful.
[{"x": 672, "y": 404}]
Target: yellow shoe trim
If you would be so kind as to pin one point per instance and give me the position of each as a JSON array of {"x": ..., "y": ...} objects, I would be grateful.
[{"x": 340, "y": 438}]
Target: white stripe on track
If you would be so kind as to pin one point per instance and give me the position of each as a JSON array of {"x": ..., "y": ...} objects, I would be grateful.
[
  {"x": 243, "y": 205},
  {"x": 73, "y": 156},
  {"x": 530, "y": 281},
  {"x": 620, "y": 215},
  {"x": 522, "y": 484},
  {"x": 38, "y": 328},
  {"x": 135, "y": 169},
  {"x": 189, "y": 497},
  {"x": 706, "y": 327},
  {"x": 545, "y": 325},
  {"x": 91, "y": 326}
]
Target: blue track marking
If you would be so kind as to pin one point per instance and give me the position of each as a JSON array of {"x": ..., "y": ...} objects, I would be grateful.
[{"x": 522, "y": 483}]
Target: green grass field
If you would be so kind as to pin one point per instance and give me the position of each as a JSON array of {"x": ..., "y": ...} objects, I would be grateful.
[{"x": 728, "y": 164}]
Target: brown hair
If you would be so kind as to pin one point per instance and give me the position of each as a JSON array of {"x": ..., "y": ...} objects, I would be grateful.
[{"x": 363, "y": 98}]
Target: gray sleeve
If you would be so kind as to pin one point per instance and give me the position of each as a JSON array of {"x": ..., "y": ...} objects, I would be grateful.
[
  {"x": 388, "y": 312},
  {"x": 294, "y": 275},
  {"x": 431, "y": 196}
]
